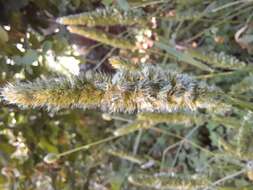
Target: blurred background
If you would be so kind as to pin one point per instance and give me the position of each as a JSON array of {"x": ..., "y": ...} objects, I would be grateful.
[{"x": 33, "y": 45}]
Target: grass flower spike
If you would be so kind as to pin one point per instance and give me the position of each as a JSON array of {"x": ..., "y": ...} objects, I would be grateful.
[
  {"x": 150, "y": 89},
  {"x": 104, "y": 17}
]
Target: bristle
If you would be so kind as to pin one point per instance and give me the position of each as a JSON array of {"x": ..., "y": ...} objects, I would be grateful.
[
  {"x": 219, "y": 60},
  {"x": 104, "y": 17},
  {"x": 149, "y": 89},
  {"x": 167, "y": 182}
]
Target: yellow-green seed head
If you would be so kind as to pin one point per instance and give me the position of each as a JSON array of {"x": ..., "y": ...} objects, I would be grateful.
[
  {"x": 149, "y": 89},
  {"x": 104, "y": 17}
]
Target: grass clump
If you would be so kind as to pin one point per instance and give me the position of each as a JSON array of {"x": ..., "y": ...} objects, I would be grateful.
[{"x": 157, "y": 95}]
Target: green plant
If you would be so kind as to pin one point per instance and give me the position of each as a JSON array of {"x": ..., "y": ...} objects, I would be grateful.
[{"x": 153, "y": 94}]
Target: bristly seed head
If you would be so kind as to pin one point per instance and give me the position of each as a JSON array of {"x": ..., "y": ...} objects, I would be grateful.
[{"x": 147, "y": 89}]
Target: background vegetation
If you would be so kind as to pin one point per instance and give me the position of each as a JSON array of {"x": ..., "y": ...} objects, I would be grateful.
[{"x": 210, "y": 40}]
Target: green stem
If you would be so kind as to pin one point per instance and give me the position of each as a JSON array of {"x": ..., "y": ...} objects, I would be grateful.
[
  {"x": 86, "y": 147},
  {"x": 182, "y": 138},
  {"x": 228, "y": 5}
]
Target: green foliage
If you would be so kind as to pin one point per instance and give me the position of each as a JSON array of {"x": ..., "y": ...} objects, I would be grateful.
[{"x": 126, "y": 95}]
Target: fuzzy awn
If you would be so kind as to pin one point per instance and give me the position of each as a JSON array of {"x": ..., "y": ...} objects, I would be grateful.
[
  {"x": 105, "y": 17},
  {"x": 149, "y": 89}
]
